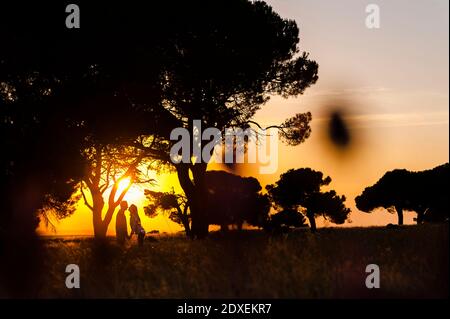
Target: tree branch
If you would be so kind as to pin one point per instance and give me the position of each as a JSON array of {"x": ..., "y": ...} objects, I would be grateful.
[
  {"x": 280, "y": 127},
  {"x": 122, "y": 195},
  {"x": 108, "y": 173},
  {"x": 85, "y": 199},
  {"x": 98, "y": 165}
]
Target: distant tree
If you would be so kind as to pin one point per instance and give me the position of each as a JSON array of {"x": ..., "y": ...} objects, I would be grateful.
[
  {"x": 169, "y": 202},
  {"x": 258, "y": 213},
  {"x": 300, "y": 190},
  {"x": 391, "y": 192},
  {"x": 329, "y": 205},
  {"x": 233, "y": 200},
  {"x": 287, "y": 218},
  {"x": 423, "y": 192},
  {"x": 431, "y": 197},
  {"x": 106, "y": 168}
]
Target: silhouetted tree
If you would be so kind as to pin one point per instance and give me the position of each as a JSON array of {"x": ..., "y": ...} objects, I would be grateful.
[
  {"x": 129, "y": 66},
  {"x": 390, "y": 192},
  {"x": 329, "y": 205},
  {"x": 233, "y": 200},
  {"x": 431, "y": 198},
  {"x": 423, "y": 192},
  {"x": 39, "y": 166},
  {"x": 225, "y": 59},
  {"x": 287, "y": 218},
  {"x": 300, "y": 190},
  {"x": 99, "y": 140},
  {"x": 258, "y": 213},
  {"x": 106, "y": 168},
  {"x": 169, "y": 202},
  {"x": 97, "y": 96}
]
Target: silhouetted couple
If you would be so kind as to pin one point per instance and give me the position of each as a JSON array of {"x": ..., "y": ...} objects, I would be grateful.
[{"x": 135, "y": 224}]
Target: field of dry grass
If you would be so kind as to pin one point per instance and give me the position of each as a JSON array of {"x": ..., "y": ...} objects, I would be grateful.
[{"x": 413, "y": 262}]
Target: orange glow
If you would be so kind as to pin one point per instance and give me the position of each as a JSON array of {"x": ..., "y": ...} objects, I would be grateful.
[
  {"x": 123, "y": 184},
  {"x": 397, "y": 107},
  {"x": 80, "y": 223},
  {"x": 134, "y": 195}
]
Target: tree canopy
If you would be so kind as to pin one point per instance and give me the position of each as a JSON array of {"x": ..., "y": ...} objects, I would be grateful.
[
  {"x": 221, "y": 66},
  {"x": 287, "y": 218},
  {"x": 175, "y": 205},
  {"x": 300, "y": 190},
  {"x": 423, "y": 192},
  {"x": 233, "y": 199},
  {"x": 130, "y": 75}
]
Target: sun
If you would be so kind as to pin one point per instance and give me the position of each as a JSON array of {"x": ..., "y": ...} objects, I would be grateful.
[
  {"x": 123, "y": 184},
  {"x": 135, "y": 194},
  {"x": 162, "y": 182}
]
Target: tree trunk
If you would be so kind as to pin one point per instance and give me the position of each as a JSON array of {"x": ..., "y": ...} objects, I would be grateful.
[
  {"x": 187, "y": 186},
  {"x": 184, "y": 219},
  {"x": 420, "y": 216},
  {"x": 312, "y": 222},
  {"x": 97, "y": 209},
  {"x": 99, "y": 229},
  {"x": 197, "y": 197},
  {"x": 201, "y": 199},
  {"x": 187, "y": 229},
  {"x": 98, "y": 203},
  {"x": 199, "y": 225},
  {"x": 108, "y": 217},
  {"x": 399, "y": 210}
]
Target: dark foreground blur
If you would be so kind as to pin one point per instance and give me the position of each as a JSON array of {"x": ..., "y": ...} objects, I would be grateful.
[{"x": 413, "y": 263}]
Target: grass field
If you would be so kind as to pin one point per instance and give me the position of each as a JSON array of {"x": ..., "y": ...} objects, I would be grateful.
[{"x": 413, "y": 263}]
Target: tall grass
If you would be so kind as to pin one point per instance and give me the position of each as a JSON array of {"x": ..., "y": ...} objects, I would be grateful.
[{"x": 413, "y": 263}]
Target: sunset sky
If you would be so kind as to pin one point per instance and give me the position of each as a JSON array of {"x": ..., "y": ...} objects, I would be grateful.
[{"x": 390, "y": 83}]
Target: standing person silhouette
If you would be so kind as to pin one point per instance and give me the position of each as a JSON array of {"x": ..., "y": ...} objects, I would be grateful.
[
  {"x": 135, "y": 223},
  {"x": 121, "y": 224}
]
